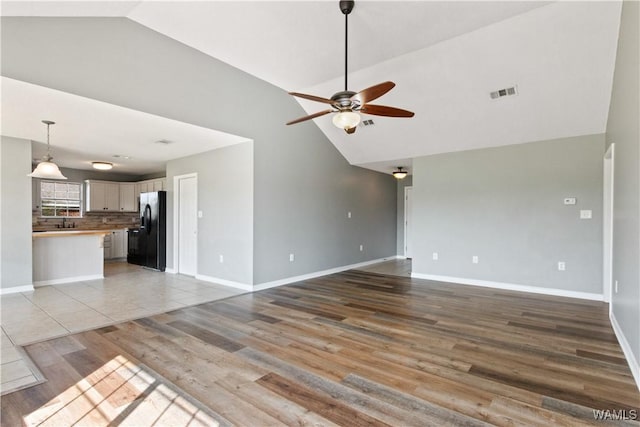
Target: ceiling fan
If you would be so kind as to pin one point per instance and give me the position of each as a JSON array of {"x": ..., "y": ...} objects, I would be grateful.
[{"x": 347, "y": 104}]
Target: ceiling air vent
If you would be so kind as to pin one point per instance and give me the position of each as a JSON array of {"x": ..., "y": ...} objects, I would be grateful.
[
  {"x": 368, "y": 122},
  {"x": 164, "y": 142},
  {"x": 509, "y": 91}
]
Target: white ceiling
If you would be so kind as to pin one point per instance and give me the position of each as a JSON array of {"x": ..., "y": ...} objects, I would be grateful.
[
  {"x": 444, "y": 56},
  {"x": 87, "y": 130}
]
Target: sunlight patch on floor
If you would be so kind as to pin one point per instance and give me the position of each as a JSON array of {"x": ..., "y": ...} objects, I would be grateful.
[{"x": 119, "y": 393}]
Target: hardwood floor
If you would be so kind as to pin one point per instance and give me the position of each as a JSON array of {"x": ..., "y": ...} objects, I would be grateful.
[{"x": 353, "y": 348}]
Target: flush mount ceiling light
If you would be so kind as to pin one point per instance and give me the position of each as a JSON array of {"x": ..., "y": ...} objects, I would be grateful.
[
  {"x": 103, "y": 166},
  {"x": 399, "y": 174},
  {"x": 347, "y": 103},
  {"x": 46, "y": 168}
]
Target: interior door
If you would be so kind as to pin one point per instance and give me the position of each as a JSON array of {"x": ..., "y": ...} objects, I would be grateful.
[{"x": 187, "y": 226}]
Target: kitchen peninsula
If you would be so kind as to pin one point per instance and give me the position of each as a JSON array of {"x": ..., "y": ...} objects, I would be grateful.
[{"x": 67, "y": 256}]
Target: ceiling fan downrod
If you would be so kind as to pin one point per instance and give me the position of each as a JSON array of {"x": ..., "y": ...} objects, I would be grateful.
[{"x": 346, "y": 6}]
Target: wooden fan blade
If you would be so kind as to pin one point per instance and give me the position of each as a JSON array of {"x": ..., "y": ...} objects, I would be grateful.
[
  {"x": 312, "y": 116},
  {"x": 373, "y": 92},
  {"x": 383, "y": 110},
  {"x": 312, "y": 97}
]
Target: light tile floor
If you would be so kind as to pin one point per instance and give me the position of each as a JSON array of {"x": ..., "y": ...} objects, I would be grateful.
[{"x": 127, "y": 292}]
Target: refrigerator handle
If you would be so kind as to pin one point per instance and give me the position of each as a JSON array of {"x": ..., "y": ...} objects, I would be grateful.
[{"x": 146, "y": 218}]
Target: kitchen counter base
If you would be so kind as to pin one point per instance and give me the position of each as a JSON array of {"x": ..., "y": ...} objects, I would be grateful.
[{"x": 66, "y": 257}]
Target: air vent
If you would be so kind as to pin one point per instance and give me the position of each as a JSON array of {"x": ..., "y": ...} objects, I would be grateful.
[
  {"x": 368, "y": 122},
  {"x": 509, "y": 91},
  {"x": 164, "y": 141}
]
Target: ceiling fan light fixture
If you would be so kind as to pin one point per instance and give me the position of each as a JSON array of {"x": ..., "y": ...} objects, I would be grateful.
[
  {"x": 103, "y": 166},
  {"x": 346, "y": 120},
  {"x": 46, "y": 169},
  {"x": 399, "y": 174}
]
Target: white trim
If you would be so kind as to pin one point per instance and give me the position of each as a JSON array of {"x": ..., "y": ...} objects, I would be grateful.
[
  {"x": 607, "y": 223},
  {"x": 315, "y": 274},
  {"x": 406, "y": 220},
  {"x": 16, "y": 289},
  {"x": 510, "y": 286},
  {"x": 230, "y": 283},
  {"x": 626, "y": 349},
  {"x": 176, "y": 215},
  {"x": 170, "y": 270},
  {"x": 67, "y": 280}
]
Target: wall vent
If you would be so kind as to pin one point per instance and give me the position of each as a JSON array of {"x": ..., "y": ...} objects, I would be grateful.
[
  {"x": 500, "y": 93},
  {"x": 368, "y": 122}
]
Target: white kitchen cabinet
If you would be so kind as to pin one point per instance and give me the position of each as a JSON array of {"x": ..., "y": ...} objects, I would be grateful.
[
  {"x": 115, "y": 244},
  {"x": 157, "y": 185},
  {"x": 102, "y": 196},
  {"x": 119, "y": 244},
  {"x": 128, "y": 199}
]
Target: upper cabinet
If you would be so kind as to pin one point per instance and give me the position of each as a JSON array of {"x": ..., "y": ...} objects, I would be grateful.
[
  {"x": 128, "y": 200},
  {"x": 106, "y": 196},
  {"x": 158, "y": 184}
]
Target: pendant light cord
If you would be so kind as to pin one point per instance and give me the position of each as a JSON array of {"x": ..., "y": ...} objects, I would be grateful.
[{"x": 48, "y": 152}]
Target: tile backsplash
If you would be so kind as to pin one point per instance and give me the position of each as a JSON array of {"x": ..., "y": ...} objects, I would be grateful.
[{"x": 90, "y": 221}]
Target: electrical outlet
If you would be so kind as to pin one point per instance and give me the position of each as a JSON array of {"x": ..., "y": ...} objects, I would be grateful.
[
  {"x": 585, "y": 214},
  {"x": 104, "y": 220},
  {"x": 434, "y": 256},
  {"x": 361, "y": 248},
  {"x": 562, "y": 266},
  {"x": 221, "y": 259},
  {"x": 199, "y": 214},
  {"x": 569, "y": 200},
  {"x": 348, "y": 214},
  {"x": 616, "y": 286},
  {"x": 474, "y": 259},
  {"x": 291, "y": 257}
]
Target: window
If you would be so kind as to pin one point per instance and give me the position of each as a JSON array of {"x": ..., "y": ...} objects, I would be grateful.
[{"x": 60, "y": 199}]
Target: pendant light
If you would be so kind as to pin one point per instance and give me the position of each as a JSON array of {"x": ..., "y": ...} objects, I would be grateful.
[
  {"x": 46, "y": 168},
  {"x": 399, "y": 174}
]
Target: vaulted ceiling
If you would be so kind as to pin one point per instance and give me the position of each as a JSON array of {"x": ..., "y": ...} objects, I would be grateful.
[{"x": 445, "y": 58}]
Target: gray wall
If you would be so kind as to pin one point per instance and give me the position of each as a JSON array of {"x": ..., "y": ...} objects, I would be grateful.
[
  {"x": 225, "y": 197},
  {"x": 505, "y": 205},
  {"x": 302, "y": 186},
  {"x": 402, "y": 183},
  {"x": 304, "y": 190},
  {"x": 623, "y": 130},
  {"x": 15, "y": 218}
]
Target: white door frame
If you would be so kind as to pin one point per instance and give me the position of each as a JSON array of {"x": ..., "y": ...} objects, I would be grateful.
[
  {"x": 607, "y": 224},
  {"x": 407, "y": 230},
  {"x": 176, "y": 218}
]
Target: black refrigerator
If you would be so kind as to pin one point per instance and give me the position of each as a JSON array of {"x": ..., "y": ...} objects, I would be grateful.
[{"x": 147, "y": 245}]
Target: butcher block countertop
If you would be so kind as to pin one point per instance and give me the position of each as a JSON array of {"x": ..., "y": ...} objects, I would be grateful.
[{"x": 69, "y": 233}]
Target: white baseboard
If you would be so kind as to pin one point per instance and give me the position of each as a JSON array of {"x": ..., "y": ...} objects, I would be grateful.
[
  {"x": 510, "y": 286},
  {"x": 170, "y": 271},
  {"x": 230, "y": 283},
  {"x": 16, "y": 289},
  {"x": 626, "y": 349},
  {"x": 67, "y": 280},
  {"x": 293, "y": 279}
]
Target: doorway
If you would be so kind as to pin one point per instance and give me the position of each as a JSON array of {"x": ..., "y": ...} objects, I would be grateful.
[
  {"x": 186, "y": 224},
  {"x": 408, "y": 222},
  {"x": 607, "y": 225}
]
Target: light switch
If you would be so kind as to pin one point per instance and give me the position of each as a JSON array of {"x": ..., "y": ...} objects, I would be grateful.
[
  {"x": 569, "y": 200},
  {"x": 585, "y": 214},
  {"x": 348, "y": 214},
  {"x": 199, "y": 214}
]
